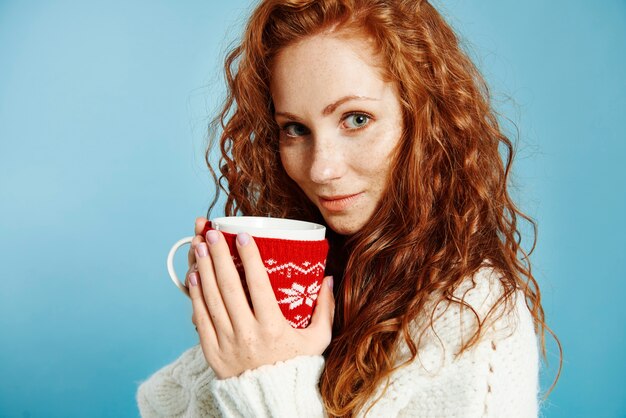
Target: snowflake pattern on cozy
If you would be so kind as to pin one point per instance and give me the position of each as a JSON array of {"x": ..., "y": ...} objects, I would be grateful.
[
  {"x": 298, "y": 294},
  {"x": 296, "y": 286}
]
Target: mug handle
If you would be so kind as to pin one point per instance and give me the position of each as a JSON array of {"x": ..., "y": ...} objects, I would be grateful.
[{"x": 170, "y": 264}]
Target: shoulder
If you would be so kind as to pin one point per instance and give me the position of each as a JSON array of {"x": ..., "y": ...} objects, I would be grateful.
[
  {"x": 475, "y": 355},
  {"x": 481, "y": 291},
  {"x": 483, "y": 312},
  {"x": 483, "y": 305}
]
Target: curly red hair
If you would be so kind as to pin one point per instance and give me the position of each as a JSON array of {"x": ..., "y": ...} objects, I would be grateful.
[{"x": 446, "y": 211}]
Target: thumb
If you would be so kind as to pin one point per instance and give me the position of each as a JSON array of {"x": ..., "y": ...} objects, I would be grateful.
[{"x": 324, "y": 312}]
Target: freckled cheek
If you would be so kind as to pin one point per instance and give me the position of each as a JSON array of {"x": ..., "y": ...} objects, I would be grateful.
[
  {"x": 375, "y": 165},
  {"x": 374, "y": 158},
  {"x": 293, "y": 164}
]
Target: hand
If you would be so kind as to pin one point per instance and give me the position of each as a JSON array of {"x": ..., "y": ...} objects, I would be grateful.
[{"x": 235, "y": 337}]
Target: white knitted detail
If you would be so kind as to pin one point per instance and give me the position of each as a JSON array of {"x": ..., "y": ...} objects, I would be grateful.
[{"x": 290, "y": 267}]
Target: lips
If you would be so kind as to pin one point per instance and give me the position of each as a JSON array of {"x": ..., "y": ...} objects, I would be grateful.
[{"x": 338, "y": 203}]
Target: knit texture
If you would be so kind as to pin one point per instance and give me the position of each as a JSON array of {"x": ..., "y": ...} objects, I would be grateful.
[
  {"x": 295, "y": 270},
  {"x": 497, "y": 377}
]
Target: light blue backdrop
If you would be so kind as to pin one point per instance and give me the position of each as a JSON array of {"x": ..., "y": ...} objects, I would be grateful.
[{"x": 103, "y": 113}]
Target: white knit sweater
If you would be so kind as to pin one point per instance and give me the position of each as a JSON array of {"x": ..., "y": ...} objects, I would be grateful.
[{"x": 498, "y": 377}]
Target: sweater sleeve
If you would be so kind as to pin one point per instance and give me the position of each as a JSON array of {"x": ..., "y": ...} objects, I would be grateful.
[
  {"x": 189, "y": 388},
  {"x": 179, "y": 389},
  {"x": 283, "y": 390},
  {"x": 496, "y": 377}
]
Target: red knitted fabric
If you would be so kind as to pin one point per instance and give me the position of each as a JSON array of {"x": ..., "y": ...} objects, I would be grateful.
[{"x": 295, "y": 269}]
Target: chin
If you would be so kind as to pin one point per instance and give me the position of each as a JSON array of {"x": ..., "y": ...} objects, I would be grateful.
[{"x": 344, "y": 225}]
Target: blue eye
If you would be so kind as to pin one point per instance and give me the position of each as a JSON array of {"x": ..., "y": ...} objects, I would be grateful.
[
  {"x": 357, "y": 120},
  {"x": 295, "y": 130}
]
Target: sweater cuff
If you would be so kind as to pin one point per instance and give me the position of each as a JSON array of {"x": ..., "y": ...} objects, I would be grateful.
[{"x": 285, "y": 389}]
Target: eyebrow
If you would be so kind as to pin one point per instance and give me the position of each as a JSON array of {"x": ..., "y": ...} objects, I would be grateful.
[{"x": 330, "y": 108}]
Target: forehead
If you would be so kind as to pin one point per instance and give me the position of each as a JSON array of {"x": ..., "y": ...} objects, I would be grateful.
[{"x": 326, "y": 64}]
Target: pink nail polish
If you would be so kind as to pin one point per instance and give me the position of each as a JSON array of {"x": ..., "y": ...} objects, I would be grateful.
[
  {"x": 243, "y": 238},
  {"x": 201, "y": 250},
  {"x": 212, "y": 236},
  {"x": 330, "y": 282},
  {"x": 193, "y": 278}
]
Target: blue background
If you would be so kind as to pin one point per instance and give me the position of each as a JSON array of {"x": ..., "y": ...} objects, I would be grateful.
[{"x": 103, "y": 114}]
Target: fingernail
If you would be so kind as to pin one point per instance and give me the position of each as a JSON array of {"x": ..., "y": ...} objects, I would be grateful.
[
  {"x": 193, "y": 278},
  {"x": 212, "y": 236},
  {"x": 201, "y": 250},
  {"x": 330, "y": 282},
  {"x": 243, "y": 238}
]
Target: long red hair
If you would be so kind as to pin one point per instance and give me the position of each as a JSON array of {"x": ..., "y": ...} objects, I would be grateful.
[{"x": 446, "y": 209}]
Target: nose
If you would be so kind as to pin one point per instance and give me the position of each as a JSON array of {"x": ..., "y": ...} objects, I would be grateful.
[{"x": 327, "y": 162}]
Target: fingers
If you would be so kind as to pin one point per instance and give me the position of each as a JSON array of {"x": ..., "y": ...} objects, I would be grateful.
[
  {"x": 324, "y": 313},
  {"x": 191, "y": 257},
  {"x": 201, "y": 318},
  {"x": 210, "y": 290},
  {"x": 198, "y": 228},
  {"x": 227, "y": 280},
  {"x": 263, "y": 299}
]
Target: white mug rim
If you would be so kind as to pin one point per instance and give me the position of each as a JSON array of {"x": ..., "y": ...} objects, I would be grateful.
[{"x": 268, "y": 227}]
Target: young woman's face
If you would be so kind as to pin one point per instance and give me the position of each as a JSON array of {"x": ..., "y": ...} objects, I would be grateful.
[{"x": 340, "y": 122}]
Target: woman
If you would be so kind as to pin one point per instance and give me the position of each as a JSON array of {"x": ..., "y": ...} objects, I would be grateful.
[{"x": 364, "y": 115}]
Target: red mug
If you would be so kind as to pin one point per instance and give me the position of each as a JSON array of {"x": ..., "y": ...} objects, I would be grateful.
[{"x": 295, "y": 267}]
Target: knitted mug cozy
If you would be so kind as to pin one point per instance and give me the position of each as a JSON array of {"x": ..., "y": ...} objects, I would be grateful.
[{"x": 295, "y": 269}]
